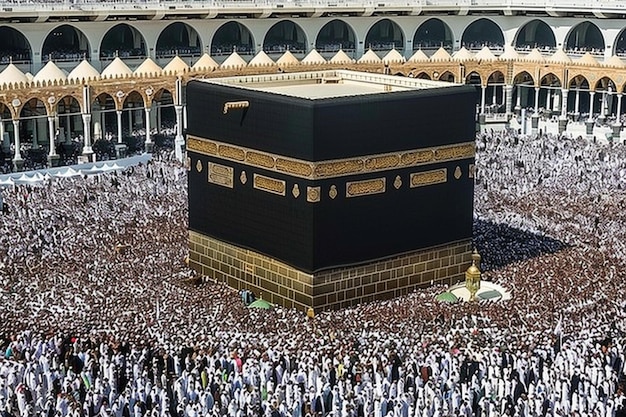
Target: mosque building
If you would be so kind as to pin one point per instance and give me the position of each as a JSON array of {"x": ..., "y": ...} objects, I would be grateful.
[{"x": 88, "y": 71}]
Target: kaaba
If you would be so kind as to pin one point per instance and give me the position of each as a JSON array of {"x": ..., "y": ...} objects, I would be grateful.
[{"x": 331, "y": 188}]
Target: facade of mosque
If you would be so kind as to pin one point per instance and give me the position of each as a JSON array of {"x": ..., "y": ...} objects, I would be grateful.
[
  {"x": 330, "y": 174},
  {"x": 99, "y": 76}
]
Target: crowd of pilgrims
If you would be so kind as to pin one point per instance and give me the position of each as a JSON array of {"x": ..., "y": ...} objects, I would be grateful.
[{"x": 100, "y": 315}]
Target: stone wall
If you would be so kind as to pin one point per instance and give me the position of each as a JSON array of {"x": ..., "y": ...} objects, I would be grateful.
[{"x": 330, "y": 289}]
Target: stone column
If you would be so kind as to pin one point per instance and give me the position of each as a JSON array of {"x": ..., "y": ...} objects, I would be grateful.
[
  {"x": 589, "y": 124},
  {"x": 508, "y": 99},
  {"x": 18, "y": 162},
  {"x": 577, "y": 103},
  {"x": 482, "y": 98},
  {"x": 537, "y": 89},
  {"x": 119, "y": 126},
  {"x": 87, "y": 150},
  {"x": 591, "y": 105},
  {"x": 179, "y": 142},
  {"x": 563, "y": 116},
  {"x": 51, "y": 132},
  {"x": 148, "y": 137}
]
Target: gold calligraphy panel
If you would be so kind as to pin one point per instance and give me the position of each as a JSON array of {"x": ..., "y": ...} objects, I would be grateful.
[
  {"x": 365, "y": 187},
  {"x": 436, "y": 176},
  {"x": 271, "y": 185},
  {"x": 221, "y": 175}
]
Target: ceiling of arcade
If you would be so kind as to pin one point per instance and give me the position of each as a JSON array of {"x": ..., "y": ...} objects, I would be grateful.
[{"x": 143, "y": 90}]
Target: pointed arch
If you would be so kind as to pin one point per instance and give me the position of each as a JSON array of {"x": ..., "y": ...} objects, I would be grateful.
[
  {"x": 535, "y": 34},
  {"x": 65, "y": 43},
  {"x": 14, "y": 47},
  {"x": 124, "y": 41},
  {"x": 285, "y": 35},
  {"x": 335, "y": 35},
  {"x": 180, "y": 39},
  {"x": 433, "y": 34},
  {"x": 385, "y": 35},
  {"x": 447, "y": 76},
  {"x": 483, "y": 32},
  {"x": 584, "y": 37},
  {"x": 232, "y": 36}
]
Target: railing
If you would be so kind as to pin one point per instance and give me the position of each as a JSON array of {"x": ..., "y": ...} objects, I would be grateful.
[{"x": 112, "y": 6}]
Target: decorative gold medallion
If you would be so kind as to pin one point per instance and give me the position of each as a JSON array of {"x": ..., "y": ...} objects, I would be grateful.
[
  {"x": 457, "y": 172},
  {"x": 199, "y": 166},
  {"x": 295, "y": 191},
  {"x": 333, "y": 192},
  {"x": 312, "y": 194},
  {"x": 243, "y": 178},
  {"x": 188, "y": 164},
  {"x": 472, "y": 171},
  {"x": 398, "y": 182}
]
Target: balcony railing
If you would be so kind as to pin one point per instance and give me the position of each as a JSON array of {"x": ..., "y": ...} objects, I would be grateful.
[{"x": 119, "y": 5}]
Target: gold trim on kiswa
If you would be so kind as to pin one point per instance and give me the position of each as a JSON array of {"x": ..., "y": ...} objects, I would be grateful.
[
  {"x": 289, "y": 166},
  {"x": 271, "y": 185},
  {"x": 260, "y": 159},
  {"x": 451, "y": 153},
  {"x": 332, "y": 168},
  {"x": 221, "y": 175},
  {"x": 377, "y": 163},
  {"x": 339, "y": 168},
  {"x": 436, "y": 176},
  {"x": 365, "y": 187},
  {"x": 232, "y": 152},
  {"x": 201, "y": 146}
]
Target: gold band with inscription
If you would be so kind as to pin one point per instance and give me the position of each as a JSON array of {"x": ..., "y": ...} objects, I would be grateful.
[{"x": 331, "y": 168}]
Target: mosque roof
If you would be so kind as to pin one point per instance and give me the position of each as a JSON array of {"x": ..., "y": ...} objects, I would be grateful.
[
  {"x": 341, "y": 58},
  {"x": 509, "y": 53},
  {"x": 313, "y": 57},
  {"x": 534, "y": 55},
  {"x": 485, "y": 54},
  {"x": 205, "y": 62},
  {"x": 614, "y": 61},
  {"x": 50, "y": 72},
  {"x": 393, "y": 56},
  {"x": 287, "y": 59},
  {"x": 441, "y": 55},
  {"x": 12, "y": 74},
  {"x": 370, "y": 57},
  {"x": 559, "y": 57},
  {"x": 419, "y": 56},
  {"x": 463, "y": 55},
  {"x": 176, "y": 65},
  {"x": 148, "y": 67},
  {"x": 117, "y": 68},
  {"x": 84, "y": 70},
  {"x": 261, "y": 60},
  {"x": 587, "y": 59},
  {"x": 234, "y": 60}
]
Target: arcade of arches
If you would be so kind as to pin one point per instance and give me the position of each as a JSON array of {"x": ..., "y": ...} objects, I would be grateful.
[
  {"x": 66, "y": 42},
  {"x": 41, "y": 114}
]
